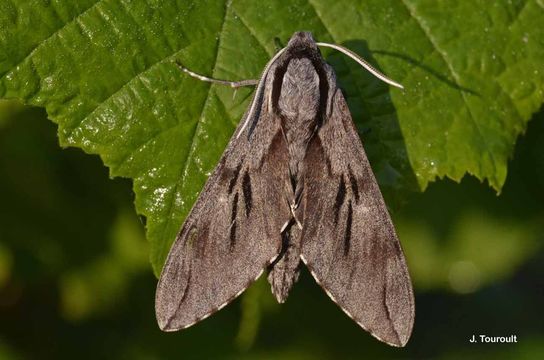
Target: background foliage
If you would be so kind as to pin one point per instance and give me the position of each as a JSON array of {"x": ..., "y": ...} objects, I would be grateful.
[{"x": 74, "y": 273}]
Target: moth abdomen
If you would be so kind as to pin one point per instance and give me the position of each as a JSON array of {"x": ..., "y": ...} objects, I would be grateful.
[{"x": 284, "y": 271}]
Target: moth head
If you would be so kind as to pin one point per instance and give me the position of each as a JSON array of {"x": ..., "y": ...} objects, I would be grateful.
[{"x": 301, "y": 41}]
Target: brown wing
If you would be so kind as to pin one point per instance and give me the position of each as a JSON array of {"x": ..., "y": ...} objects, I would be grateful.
[
  {"x": 232, "y": 232},
  {"x": 348, "y": 240}
]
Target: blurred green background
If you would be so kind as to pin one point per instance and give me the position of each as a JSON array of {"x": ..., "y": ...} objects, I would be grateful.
[{"x": 75, "y": 281}]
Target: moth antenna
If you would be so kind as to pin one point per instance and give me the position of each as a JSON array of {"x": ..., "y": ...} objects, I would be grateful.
[
  {"x": 233, "y": 84},
  {"x": 363, "y": 63},
  {"x": 260, "y": 90}
]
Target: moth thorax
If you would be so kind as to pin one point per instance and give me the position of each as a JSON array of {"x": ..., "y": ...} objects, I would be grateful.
[{"x": 299, "y": 95}]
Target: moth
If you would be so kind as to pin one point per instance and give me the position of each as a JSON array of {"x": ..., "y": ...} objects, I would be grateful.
[{"x": 293, "y": 186}]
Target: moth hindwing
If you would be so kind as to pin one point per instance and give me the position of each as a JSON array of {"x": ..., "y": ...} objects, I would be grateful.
[{"x": 293, "y": 184}]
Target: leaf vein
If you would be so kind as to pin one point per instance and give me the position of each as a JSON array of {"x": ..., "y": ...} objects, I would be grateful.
[
  {"x": 104, "y": 102},
  {"x": 250, "y": 31},
  {"x": 518, "y": 14},
  {"x": 320, "y": 18},
  {"x": 454, "y": 75}
]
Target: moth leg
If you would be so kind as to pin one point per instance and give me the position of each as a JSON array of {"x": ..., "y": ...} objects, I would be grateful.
[
  {"x": 232, "y": 84},
  {"x": 293, "y": 208},
  {"x": 287, "y": 223}
]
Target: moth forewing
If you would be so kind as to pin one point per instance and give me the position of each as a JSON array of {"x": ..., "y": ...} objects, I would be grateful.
[
  {"x": 296, "y": 186},
  {"x": 349, "y": 242},
  {"x": 223, "y": 246}
]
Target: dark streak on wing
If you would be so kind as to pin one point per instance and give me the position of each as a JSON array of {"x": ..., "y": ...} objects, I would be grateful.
[
  {"x": 387, "y": 310},
  {"x": 234, "y": 178},
  {"x": 354, "y": 186},
  {"x": 185, "y": 292},
  {"x": 347, "y": 233},
  {"x": 246, "y": 188},
  {"x": 340, "y": 197},
  {"x": 201, "y": 245},
  {"x": 234, "y": 212}
]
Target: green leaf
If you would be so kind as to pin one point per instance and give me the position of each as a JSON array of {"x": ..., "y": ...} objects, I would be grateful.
[{"x": 104, "y": 71}]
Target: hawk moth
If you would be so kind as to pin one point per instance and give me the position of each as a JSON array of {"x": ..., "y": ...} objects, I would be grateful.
[{"x": 293, "y": 185}]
